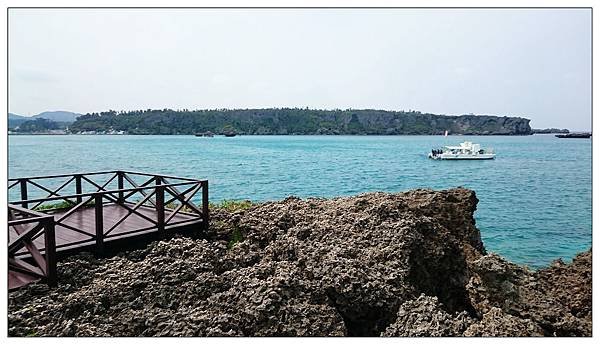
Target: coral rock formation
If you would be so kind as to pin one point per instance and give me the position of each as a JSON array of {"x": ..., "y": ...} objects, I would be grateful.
[{"x": 407, "y": 264}]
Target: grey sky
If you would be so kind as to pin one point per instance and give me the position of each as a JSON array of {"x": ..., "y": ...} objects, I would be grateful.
[{"x": 531, "y": 63}]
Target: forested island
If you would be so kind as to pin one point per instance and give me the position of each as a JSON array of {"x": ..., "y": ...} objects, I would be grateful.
[
  {"x": 40, "y": 125},
  {"x": 48, "y": 122},
  {"x": 289, "y": 121},
  {"x": 549, "y": 130}
]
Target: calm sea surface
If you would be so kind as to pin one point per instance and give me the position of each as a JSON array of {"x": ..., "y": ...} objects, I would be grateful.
[{"x": 535, "y": 198}]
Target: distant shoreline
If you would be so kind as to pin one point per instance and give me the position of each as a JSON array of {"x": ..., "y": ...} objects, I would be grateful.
[
  {"x": 275, "y": 121},
  {"x": 41, "y": 134},
  {"x": 287, "y": 135}
]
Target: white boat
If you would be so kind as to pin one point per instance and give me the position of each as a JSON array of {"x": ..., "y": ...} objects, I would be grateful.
[{"x": 466, "y": 151}]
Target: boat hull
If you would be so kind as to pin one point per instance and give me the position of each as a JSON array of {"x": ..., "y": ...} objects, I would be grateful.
[
  {"x": 450, "y": 157},
  {"x": 574, "y": 135}
]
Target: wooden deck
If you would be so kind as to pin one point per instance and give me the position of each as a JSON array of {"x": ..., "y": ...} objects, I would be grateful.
[
  {"x": 99, "y": 220},
  {"x": 84, "y": 219}
]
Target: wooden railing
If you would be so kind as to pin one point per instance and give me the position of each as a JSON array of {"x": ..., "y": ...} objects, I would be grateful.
[
  {"x": 137, "y": 192},
  {"x": 28, "y": 225}
]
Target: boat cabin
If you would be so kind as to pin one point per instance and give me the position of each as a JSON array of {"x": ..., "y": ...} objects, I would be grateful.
[{"x": 465, "y": 150}]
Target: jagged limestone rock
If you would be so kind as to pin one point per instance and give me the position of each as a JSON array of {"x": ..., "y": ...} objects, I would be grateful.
[{"x": 315, "y": 267}]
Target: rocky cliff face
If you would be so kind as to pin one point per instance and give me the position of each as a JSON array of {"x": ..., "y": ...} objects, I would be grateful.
[
  {"x": 409, "y": 264},
  {"x": 417, "y": 123},
  {"x": 492, "y": 125}
]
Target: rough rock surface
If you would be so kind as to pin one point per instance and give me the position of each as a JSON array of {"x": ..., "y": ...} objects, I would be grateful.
[
  {"x": 496, "y": 323},
  {"x": 425, "y": 316},
  {"x": 408, "y": 264},
  {"x": 558, "y": 298}
]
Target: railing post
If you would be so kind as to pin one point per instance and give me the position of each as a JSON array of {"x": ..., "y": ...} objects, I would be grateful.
[
  {"x": 160, "y": 207},
  {"x": 205, "y": 204},
  {"x": 121, "y": 198},
  {"x": 99, "y": 224},
  {"x": 23, "y": 185},
  {"x": 50, "y": 241},
  {"x": 78, "y": 188}
]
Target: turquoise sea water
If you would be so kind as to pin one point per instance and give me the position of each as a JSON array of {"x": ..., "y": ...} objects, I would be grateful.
[{"x": 535, "y": 198}]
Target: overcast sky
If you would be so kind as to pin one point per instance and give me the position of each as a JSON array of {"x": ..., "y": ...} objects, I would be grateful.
[{"x": 531, "y": 63}]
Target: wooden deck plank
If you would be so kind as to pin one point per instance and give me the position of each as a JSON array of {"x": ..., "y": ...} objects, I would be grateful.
[
  {"x": 84, "y": 220},
  {"x": 18, "y": 279}
]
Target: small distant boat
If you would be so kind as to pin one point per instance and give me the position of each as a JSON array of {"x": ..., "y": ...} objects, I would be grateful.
[
  {"x": 574, "y": 135},
  {"x": 465, "y": 151},
  {"x": 205, "y": 134}
]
